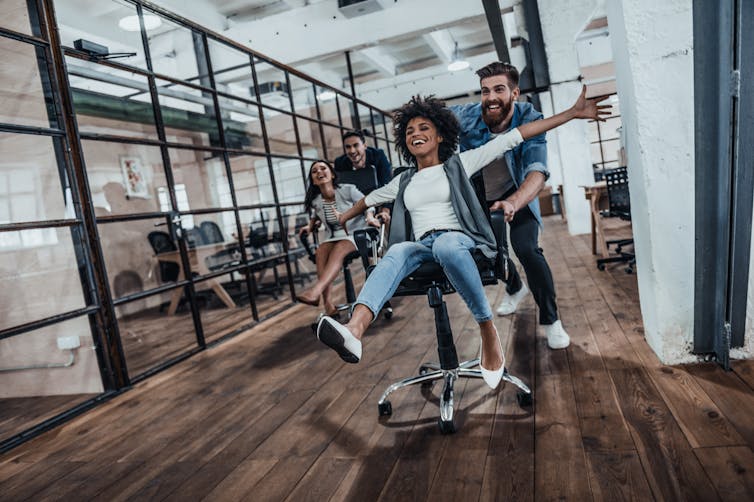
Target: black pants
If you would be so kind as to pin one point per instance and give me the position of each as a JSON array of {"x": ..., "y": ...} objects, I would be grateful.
[{"x": 525, "y": 243}]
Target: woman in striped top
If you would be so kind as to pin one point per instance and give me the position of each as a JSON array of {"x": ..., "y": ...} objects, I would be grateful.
[{"x": 326, "y": 198}]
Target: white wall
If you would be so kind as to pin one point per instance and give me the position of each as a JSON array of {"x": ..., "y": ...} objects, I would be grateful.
[{"x": 653, "y": 50}]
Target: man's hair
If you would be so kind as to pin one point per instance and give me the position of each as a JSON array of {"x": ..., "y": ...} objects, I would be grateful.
[
  {"x": 354, "y": 134},
  {"x": 498, "y": 68},
  {"x": 436, "y": 112}
]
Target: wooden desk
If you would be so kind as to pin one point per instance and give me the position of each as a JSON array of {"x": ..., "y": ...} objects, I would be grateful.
[
  {"x": 197, "y": 260},
  {"x": 597, "y": 196}
]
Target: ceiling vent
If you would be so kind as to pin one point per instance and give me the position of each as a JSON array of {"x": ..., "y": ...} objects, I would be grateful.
[{"x": 356, "y": 8}]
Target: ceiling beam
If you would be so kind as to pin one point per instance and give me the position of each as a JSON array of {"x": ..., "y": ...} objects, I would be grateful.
[
  {"x": 495, "y": 23},
  {"x": 442, "y": 44},
  {"x": 382, "y": 62}
]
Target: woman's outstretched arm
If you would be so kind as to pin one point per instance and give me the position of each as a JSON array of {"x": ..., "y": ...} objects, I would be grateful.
[{"x": 583, "y": 108}]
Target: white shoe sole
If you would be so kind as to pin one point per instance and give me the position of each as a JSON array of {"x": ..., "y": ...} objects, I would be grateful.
[{"x": 339, "y": 338}]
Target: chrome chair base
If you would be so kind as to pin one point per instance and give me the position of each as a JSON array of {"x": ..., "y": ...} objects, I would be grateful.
[{"x": 429, "y": 372}]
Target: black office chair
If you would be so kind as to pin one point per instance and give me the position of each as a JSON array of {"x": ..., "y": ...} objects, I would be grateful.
[
  {"x": 194, "y": 237},
  {"x": 619, "y": 206},
  {"x": 430, "y": 280},
  {"x": 211, "y": 232},
  {"x": 162, "y": 243}
]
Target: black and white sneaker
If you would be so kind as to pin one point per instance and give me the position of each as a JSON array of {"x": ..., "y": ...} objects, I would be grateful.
[{"x": 339, "y": 338}]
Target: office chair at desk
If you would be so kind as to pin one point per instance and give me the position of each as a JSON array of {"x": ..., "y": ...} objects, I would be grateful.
[
  {"x": 619, "y": 206},
  {"x": 429, "y": 279}
]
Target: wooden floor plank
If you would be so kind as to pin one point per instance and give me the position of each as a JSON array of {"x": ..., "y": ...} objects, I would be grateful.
[
  {"x": 274, "y": 415},
  {"x": 673, "y": 471},
  {"x": 618, "y": 475},
  {"x": 700, "y": 419},
  {"x": 731, "y": 469}
]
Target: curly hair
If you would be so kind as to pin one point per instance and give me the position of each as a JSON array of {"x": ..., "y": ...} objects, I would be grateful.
[
  {"x": 435, "y": 111},
  {"x": 313, "y": 190}
]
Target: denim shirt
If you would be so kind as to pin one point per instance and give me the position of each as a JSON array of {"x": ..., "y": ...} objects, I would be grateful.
[{"x": 529, "y": 156}]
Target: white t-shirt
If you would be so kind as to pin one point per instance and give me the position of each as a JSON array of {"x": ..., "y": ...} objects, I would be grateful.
[{"x": 427, "y": 196}]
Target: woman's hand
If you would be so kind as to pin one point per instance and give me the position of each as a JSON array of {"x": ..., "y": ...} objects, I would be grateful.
[
  {"x": 303, "y": 231},
  {"x": 590, "y": 108},
  {"x": 372, "y": 220}
]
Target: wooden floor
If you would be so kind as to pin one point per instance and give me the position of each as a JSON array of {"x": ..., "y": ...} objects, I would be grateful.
[{"x": 274, "y": 415}]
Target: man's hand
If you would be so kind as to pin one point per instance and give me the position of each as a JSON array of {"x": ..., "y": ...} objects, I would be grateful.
[
  {"x": 508, "y": 209},
  {"x": 372, "y": 220},
  {"x": 590, "y": 108},
  {"x": 384, "y": 215}
]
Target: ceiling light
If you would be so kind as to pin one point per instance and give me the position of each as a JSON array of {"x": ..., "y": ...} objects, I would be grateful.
[
  {"x": 131, "y": 23},
  {"x": 457, "y": 63},
  {"x": 326, "y": 96}
]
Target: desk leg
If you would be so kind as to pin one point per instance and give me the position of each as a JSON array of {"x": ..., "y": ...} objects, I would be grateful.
[
  {"x": 175, "y": 299},
  {"x": 594, "y": 234},
  {"x": 222, "y": 294}
]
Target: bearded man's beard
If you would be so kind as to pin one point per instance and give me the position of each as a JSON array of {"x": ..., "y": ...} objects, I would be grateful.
[{"x": 495, "y": 119}]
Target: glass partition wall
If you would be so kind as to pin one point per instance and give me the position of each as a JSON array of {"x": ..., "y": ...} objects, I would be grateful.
[{"x": 151, "y": 188}]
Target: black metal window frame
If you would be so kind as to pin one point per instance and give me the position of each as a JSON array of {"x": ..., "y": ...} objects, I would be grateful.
[{"x": 100, "y": 302}]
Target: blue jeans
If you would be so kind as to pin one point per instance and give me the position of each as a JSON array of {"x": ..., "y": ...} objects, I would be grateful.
[{"x": 452, "y": 250}]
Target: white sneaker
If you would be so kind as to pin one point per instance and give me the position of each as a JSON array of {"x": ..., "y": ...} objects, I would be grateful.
[
  {"x": 510, "y": 302},
  {"x": 557, "y": 338}
]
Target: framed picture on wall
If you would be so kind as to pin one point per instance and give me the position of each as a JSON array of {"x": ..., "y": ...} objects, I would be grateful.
[{"x": 133, "y": 177}]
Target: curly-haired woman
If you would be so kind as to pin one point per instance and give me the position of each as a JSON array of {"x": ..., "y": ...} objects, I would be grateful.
[{"x": 438, "y": 217}]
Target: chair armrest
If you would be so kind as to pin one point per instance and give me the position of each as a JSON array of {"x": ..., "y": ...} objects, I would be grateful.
[
  {"x": 497, "y": 221},
  {"x": 304, "y": 239},
  {"x": 364, "y": 239}
]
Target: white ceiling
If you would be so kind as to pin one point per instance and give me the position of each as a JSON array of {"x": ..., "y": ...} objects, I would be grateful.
[{"x": 401, "y": 49}]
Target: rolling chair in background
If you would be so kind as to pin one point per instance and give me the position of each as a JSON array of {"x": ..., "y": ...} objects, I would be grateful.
[
  {"x": 430, "y": 280},
  {"x": 619, "y": 206}
]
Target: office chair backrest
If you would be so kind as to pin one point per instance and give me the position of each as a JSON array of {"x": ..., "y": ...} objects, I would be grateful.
[
  {"x": 365, "y": 179},
  {"x": 211, "y": 232},
  {"x": 195, "y": 237},
  {"x": 162, "y": 243},
  {"x": 617, "y": 192}
]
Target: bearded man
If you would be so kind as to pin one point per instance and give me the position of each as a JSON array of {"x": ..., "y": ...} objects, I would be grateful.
[{"x": 511, "y": 185}]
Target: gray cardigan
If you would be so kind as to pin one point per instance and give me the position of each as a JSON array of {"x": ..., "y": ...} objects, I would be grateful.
[{"x": 469, "y": 211}]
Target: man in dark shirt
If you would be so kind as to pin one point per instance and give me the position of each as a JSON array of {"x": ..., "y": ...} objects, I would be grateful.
[{"x": 363, "y": 166}]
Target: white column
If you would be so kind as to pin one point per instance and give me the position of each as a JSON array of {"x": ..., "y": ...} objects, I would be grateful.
[
  {"x": 561, "y": 22},
  {"x": 572, "y": 141},
  {"x": 653, "y": 51}
]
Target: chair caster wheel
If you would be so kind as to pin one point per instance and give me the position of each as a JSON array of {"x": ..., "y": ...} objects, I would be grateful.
[
  {"x": 388, "y": 313},
  {"x": 618, "y": 249},
  {"x": 524, "y": 399},
  {"x": 600, "y": 266},
  {"x": 385, "y": 409},
  {"x": 446, "y": 426},
  {"x": 629, "y": 270}
]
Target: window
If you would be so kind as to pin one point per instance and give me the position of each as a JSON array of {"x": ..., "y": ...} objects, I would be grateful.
[
  {"x": 19, "y": 202},
  {"x": 187, "y": 221}
]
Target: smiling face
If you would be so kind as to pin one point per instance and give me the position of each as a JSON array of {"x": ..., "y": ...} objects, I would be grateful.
[
  {"x": 422, "y": 139},
  {"x": 321, "y": 174},
  {"x": 497, "y": 101},
  {"x": 356, "y": 150}
]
